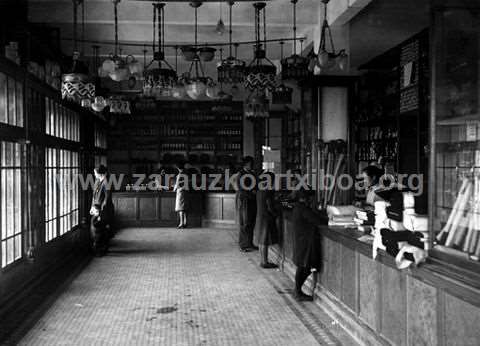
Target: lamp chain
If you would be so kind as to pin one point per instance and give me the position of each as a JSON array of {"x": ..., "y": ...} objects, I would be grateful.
[
  {"x": 75, "y": 46},
  {"x": 265, "y": 30},
  {"x": 115, "y": 10},
  {"x": 154, "y": 26},
  {"x": 230, "y": 28},
  {"x": 294, "y": 2},
  {"x": 83, "y": 26}
]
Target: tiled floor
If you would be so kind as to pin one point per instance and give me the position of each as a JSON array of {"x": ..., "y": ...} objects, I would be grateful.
[{"x": 162, "y": 286}]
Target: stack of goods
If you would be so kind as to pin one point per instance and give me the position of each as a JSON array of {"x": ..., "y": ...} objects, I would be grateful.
[
  {"x": 11, "y": 52},
  {"x": 462, "y": 230},
  {"x": 342, "y": 215},
  {"x": 365, "y": 220},
  {"x": 407, "y": 247},
  {"x": 404, "y": 239}
]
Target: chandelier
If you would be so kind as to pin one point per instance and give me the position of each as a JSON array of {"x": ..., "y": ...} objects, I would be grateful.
[
  {"x": 261, "y": 71},
  {"x": 195, "y": 82},
  {"x": 231, "y": 70},
  {"x": 282, "y": 94},
  {"x": 257, "y": 105},
  {"x": 76, "y": 85},
  {"x": 295, "y": 66},
  {"x": 115, "y": 67},
  {"x": 328, "y": 59},
  {"x": 222, "y": 95},
  {"x": 159, "y": 82}
]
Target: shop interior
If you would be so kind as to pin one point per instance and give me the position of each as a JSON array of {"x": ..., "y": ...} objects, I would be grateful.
[{"x": 318, "y": 90}]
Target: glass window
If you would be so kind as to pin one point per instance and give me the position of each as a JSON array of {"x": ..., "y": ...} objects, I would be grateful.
[
  {"x": 11, "y": 101},
  {"x": 456, "y": 194},
  {"x": 11, "y": 166},
  {"x": 100, "y": 137},
  {"x": 61, "y": 122},
  {"x": 61, "y": 192},
  {"x": 100, "y": 160}
]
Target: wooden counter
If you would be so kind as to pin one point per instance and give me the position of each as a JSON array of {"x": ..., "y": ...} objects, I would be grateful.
[
  {"x": 379, "y": 304},
  {"x": 150, "y": 208}
]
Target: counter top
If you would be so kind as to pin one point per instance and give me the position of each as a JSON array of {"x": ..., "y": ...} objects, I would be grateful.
[{"x": 453, "y": 279}]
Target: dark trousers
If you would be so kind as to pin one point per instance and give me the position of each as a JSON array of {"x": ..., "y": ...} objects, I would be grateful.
[
  {"x": 247, "y": 210},
  {"x": 301, "y": 276},
  {"x": 99, "y": 235}
]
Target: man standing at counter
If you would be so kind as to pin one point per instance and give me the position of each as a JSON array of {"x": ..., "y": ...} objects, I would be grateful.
[
  {"x": 306, "y": 240},
  {"x": 246, "y": 205}
]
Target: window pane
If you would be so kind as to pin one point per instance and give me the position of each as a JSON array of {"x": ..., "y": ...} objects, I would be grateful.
[
  {"x": 19, "y": 101},
  {"x": 11, "y": 201},
  {"x": 3, "y": 98}
]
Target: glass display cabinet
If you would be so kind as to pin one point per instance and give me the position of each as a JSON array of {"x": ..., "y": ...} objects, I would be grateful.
[{"x": 455, "y": 141}]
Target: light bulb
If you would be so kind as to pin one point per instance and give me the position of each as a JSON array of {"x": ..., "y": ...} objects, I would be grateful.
[
  {"x": 323, "y": 58},
  {"x": 342, "y": 61},
  {"x": 220, "y": 28},
  {"x": 196, "y": 89}
]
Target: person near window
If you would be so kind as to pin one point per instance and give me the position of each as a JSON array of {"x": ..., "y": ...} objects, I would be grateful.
[
  {"x": 101, "y": 212},
  {"x": 266, "y": 232},
  {"x": 306, "y": 240},
  {"x": 246, "y": 204},
  {"x": 181, "y": 197}
]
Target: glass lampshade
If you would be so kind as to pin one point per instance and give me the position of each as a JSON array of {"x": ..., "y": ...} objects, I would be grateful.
[{"x": 196, "y": 89}]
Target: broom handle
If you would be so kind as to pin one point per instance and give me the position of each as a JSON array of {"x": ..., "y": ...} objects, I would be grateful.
[
  {"x": 459, "y": 214},
  {"x": 447, "y": 226}
]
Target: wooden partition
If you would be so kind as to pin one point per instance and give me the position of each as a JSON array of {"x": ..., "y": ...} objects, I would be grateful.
[{"x": 207, "y": 209}]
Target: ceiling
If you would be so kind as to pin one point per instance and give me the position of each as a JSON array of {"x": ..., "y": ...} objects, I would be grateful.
[{"x": 135, "y": 23}]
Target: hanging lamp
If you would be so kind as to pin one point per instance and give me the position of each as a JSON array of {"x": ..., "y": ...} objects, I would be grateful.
[
  {"x": 261, "y": 70},
  {"x": 295, "y": 66},
  {"x": 282, "y": 94},
  {"x": 231, "y": 70},
  {"x": 76, "y": 85},
  {"x": 195, "y": 81},
  {"x": 114, "y": 66},
  {"x": 178, "y": 90},
  {"x": 220, "y": 28},
  {"x": 222, "y": 95},
  {"x": 159, "y": 82},
  {"x": 329, "y": 59}
]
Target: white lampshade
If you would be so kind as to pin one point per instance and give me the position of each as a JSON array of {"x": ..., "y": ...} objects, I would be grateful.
[
  {"x": 196, "y": 89},
  {"x": 212, "y": 91}
]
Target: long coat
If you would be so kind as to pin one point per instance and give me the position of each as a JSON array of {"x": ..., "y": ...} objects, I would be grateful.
[
  {"x": 246, "y": 205},
  {"x": 102, "y": 198},
  {"x": 265, "y": 232},
  {"x": 306, "y": 238}
]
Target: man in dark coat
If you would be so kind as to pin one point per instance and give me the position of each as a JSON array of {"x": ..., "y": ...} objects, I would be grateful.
[
  {"x": 101, "y": 211},
  {"x": 246, "y": 205},
  {"x": 306, "y": 240},
  {"x": 265, "y": 232}
]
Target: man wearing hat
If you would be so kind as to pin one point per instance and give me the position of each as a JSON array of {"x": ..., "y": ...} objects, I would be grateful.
[{"x": 246, "y": 204}]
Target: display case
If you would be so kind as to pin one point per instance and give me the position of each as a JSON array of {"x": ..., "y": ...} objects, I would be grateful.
[{"x": 455, "y": 143}]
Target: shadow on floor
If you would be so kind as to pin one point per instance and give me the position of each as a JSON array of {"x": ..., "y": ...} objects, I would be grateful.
[{"x": 18, "y": 321}]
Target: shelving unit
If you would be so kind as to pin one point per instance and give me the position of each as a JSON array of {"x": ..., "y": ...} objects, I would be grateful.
[
  {"x": 392, "y": 114},
  {"x": 292, "y": 141},
  {"x": 204, "y": 133}
]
